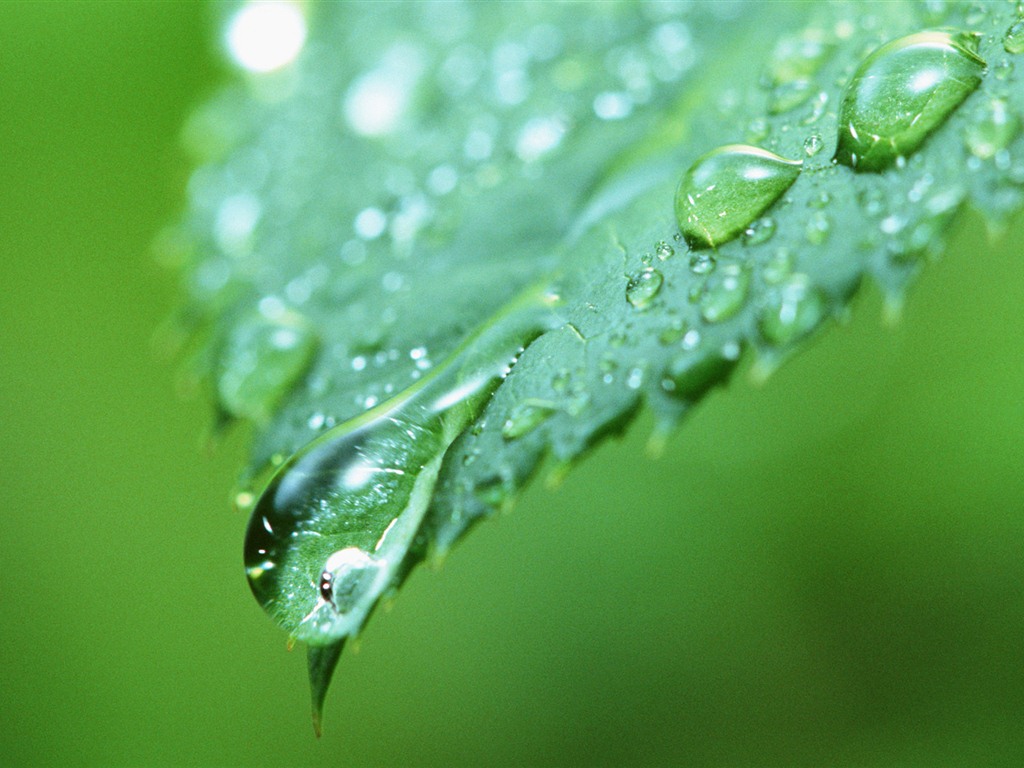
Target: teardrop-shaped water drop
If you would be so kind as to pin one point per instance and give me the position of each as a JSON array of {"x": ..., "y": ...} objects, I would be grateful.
[
  {"x": 331, "y": 531},
  {"x": 526, "y": 417},
  {"x": 901, "y": 93},
  {"x": 726, "y": 189},
  {"x": 263, "y": 356},
  {"x": 1013, "y": 40},
  {"x": 643, "y": 287},
  {"x": 793, "y": 311}
]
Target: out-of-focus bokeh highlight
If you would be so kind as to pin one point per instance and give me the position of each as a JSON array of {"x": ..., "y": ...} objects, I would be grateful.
[{"x": 826, "y": 570}]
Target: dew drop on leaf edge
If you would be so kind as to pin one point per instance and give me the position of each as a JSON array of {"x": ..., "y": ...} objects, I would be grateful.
[{"x": 792, "y": 311}]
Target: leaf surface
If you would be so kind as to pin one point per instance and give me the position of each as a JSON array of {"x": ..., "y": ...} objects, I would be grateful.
[{"x": 356, "y": 214}]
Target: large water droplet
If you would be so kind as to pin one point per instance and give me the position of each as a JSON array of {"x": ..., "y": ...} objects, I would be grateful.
[
  {"x": 725, "y": 293},
  {"x": 262, "y": 358},
  {"x": 643, "y": 287},
  {"x": 726, "y": 189},
  {"x": 901, "y": 93},
  {"x": 331, "y": 531},
  {"x": 1013, "y": 40},
  {"x": 793, "y": 311}
]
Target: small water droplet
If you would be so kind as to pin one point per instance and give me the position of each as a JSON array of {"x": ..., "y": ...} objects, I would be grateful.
[
  {"x": 793, "y": 311},
  {"x": 664, "y": 250},
  {"x": 759, "y": 231},
  {"x": 263, "y": 356},
  {"x": 726, "y": 189},
  {"x": 526, "y": 417},
  {"x": 643, "y": 287},
  {"x": 813, "y": 144},
  {"x": 674, "y": 332},
  {"x": 818, "y": 228},
  {"x": 798, "y": 57},
  {"x": 992, "y": 130},
  {"x": 1013, "y": 40},
  {"x": 725, "y": 293},
  {"x": 788, "y": 96},
  {"x": 820, "y": 200},
  {"x": 757, "y": 130},
  {"x": 702, "y": 263},
  {"x": 778, "y": 267},
  {"x": 901, "y": 93},
  {"x": 1003, "y": 69}
]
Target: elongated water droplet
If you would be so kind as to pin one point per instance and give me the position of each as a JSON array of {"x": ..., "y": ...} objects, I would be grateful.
[
  {"x": 688, "y": 378},
  {"x": 818, "y": 228},
  {"x": 643, "y": 287},
  {"x": 992, "y": 130},
  {"x": 793, "y": 311},
  {"x": 262, "y": 358},
  {"x": 526, "y": 417},
  {"x": 726, "y": 189},
  {"x": 331, "y": 531},
  {"x": 725, "y": 293},
  {"x": 901, "y": 93},
  {"x": 1013, "y": 40}
]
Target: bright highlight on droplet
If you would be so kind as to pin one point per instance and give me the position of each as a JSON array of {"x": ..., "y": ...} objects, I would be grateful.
[{"x": 266, "y": 35}]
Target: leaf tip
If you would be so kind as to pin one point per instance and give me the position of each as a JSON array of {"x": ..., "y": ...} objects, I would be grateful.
[{"x": 322, "y": 662}]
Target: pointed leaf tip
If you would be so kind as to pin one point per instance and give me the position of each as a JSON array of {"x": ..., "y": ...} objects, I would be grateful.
[{"x": 322, "y": 661}]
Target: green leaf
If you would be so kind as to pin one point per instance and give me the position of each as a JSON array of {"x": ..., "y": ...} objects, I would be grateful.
[{"x": 364, "y": 218}]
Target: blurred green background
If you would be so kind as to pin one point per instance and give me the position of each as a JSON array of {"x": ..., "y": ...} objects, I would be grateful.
[{"x": 826, "y": 570}]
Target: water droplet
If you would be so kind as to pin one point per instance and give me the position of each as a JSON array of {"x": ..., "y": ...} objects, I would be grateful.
[
  {"x": 263, "y": 357},
  {"x": 674, "y": 332},
  {"x": 778, "y": 267},
  {"x": 813, "y": 144},
  {"x": 726, "y": 189},
  {"x": 688, "y": 378},
  {"x": 1003, "y": 69},
  {"x": 757, "y": 130},
  {"x": 702, "y": 263},
  {"x": 760, "y": 231},
  {"x": 643, "y": 287},
  {"x": 664, "y": 250},
  {"x": 788, "y": 96},
  {"x": 526, "y": 417},
  {"x": 1013, "y": 40},
  {"x": 793, "y": 311},
  {"x": 332, "y": 529},
  {"x": 818, "y": 228},
  {"x": 901, "y": 93},
  {"x": 725, "y": 293},
  {"x": 992, "y": 130},
  {"x": 797, "y": 58}
]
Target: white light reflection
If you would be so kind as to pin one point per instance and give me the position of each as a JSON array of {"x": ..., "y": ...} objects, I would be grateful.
[{"x": 265, "y": 35}]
